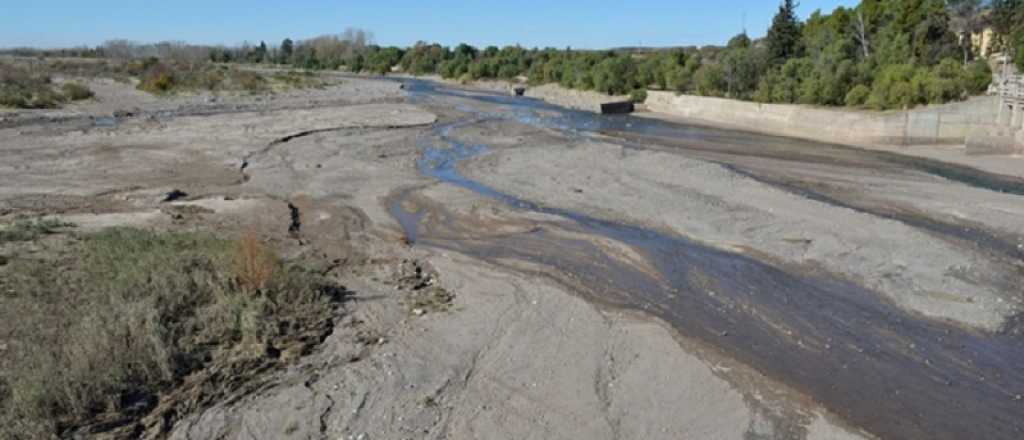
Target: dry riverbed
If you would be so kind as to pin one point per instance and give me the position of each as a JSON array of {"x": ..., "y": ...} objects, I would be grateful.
[{"x": 528, "y": 286}]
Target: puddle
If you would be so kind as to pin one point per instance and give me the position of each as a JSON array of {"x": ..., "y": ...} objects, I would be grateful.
[{"x": 104, "y": 122}]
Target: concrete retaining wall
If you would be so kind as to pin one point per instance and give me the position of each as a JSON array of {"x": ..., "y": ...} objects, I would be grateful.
[{"x": 940, "y": 124}]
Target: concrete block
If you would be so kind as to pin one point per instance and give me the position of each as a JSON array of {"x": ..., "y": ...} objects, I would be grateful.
[
  {"x": 946, "y": 124},
  {"x": 621, "y": 107},
  {"x": 984, "y": 142}
]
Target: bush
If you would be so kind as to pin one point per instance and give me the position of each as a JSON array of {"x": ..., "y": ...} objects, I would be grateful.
[
  {"x": 892, "y": 88},
  {"x": 857, "y": 96},
  {"x": 977, "y": 77},
  {"x": 946, "y": 82},
  {"x": 21, "y": 88},
  {"x": 249, "y": 81},
  {"x": 158, "y": 79},
  {"x": 298, "y": 79},
  {"x": 638, "y": 95},
  {"x": 12, "y": 98},
  {"x": 46, "y": 97},
  {"x": 28, "y": 230},
  {"x": 709, "y": 80},
  {"x": 129, "y": 313},
  {"x": 211, "y": 79},
  {"x": 76, "y": 92},
  {"x": 615, "y": 76},
  {"x": 140, "y": 67}
]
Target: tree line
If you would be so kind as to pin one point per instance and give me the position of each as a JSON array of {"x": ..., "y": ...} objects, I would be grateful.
[{"x": 881, "y": 54}]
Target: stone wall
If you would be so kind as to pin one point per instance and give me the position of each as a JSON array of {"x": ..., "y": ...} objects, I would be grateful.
[{"x": 939, "y": 124}]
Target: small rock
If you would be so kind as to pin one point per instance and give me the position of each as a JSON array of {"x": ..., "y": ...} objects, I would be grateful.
[
  {"x": 1018, "y": 397},
  {"x": 175, "y": 194},
  {"x": 418, "y": 312}
]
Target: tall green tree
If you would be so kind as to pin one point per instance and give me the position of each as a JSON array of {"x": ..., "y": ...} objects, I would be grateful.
[
  {"x": 287, "y": 48},
  {"x": 783, "y": 39}
]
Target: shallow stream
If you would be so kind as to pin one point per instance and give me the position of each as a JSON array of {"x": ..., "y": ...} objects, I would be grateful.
[{"x": 893, "y": 373}]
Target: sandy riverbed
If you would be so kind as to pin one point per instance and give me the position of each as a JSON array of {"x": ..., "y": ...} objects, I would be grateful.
[{"x": 522, "y": 354}]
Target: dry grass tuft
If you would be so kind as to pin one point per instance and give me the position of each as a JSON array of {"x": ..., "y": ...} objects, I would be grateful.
[
  {"x": 104, "y": 326},
  {"x": 254, "y": 265}
]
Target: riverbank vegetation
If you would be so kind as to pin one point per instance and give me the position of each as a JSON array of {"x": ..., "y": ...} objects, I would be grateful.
[
  {"x": 23, "y": 88},
  {"x": 29, "y": 83},
  {"x": 890, "y": 54},
  {"x": 98, "y": 327},
  {"x": 880, "y": 54}
]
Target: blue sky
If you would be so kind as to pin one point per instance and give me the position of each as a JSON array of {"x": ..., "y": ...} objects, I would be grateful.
[{"x": 557, "y": 23}]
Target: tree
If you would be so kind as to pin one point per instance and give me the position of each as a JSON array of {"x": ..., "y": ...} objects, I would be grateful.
[
  {"x": 783, "y": 39},
  {"x": 966, "y": 19},
  {"x": 709, "y": 80},
  {"x": 615, "y": 75},
  {"x": 740, "y": 41},
  {"x": 860, "y": 31},
  {"x": 261, "y": 52},
  {"x": 741, "y": 68},
  {"x": 1008, "y": 24},
  {"x": 287, "y": 48}
]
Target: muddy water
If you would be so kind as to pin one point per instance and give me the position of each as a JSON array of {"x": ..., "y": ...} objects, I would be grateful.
[{"x": 894, "y": 374}]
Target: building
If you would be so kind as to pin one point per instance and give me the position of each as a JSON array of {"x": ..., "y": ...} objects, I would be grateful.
[{"x": 984, "y": 42}]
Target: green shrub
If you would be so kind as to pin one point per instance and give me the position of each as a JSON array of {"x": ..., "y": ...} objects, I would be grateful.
[
  {"x": 615, "y": 76},
  {"x": 638, "y": 95},
  {"x": 12, "y": 98},
  {"x": 945, "y": 82},
  {"x": 857, "y": 96},
  {"x": 76, "y": 92},
  {"x": 977, "y": 77},
  {"x": 709, "y": 80},
  {"x": 892, "y": 89}
]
